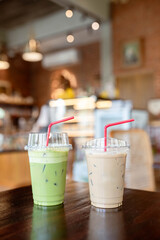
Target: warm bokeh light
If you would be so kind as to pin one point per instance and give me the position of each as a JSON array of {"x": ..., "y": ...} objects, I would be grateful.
[
  {"x": 78, "y": 104},
  {"x": 31, "y": 52},
  {"x": 4, "y": 65},
  {"x": 70, "y": 76},
  {"x": 69, "y": 13},
  {"x": 32, "y": 56},
  {"x": 70, "y": 38},
  {"x": 95, "y": 25},
  {"x": 103, "y": 104}
]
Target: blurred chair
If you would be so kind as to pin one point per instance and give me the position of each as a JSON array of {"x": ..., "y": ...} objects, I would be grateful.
[{"x": 139, "y": 170}]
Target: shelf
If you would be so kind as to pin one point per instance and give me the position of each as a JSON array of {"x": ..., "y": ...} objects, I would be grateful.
[
  {"x": 81, "y": 120},
  {"x": 13, "y": 104},
  {"x": 78, "y": 121},
  {"x": 21, "y": 115}
]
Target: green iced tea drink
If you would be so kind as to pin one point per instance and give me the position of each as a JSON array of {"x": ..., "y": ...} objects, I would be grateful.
[
  {"x": 48, "y": 154},
  {"x": 48, "y": 174}
]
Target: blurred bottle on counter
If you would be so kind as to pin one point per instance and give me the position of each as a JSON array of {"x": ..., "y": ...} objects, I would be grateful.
[
  {"x": 110, "y": 92},
  {"x": 65, "y": 92},
  {"x": 6, "y": 126}
]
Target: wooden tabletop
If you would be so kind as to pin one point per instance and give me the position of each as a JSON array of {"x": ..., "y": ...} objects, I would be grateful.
[{"x": 139, "y": 217}]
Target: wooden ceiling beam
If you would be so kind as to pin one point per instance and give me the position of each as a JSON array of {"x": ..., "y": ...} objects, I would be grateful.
[{"x": 18, "y": 12}]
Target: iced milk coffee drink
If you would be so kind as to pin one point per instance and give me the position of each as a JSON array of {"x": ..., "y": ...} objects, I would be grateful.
[
  {"x": 48, "y": 166},
  {"x": 106, "y": 171}
]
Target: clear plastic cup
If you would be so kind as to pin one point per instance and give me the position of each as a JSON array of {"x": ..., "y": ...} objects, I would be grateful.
[
  {"x": 106, "y": 171},
  {"x": 48, "y": 167}
]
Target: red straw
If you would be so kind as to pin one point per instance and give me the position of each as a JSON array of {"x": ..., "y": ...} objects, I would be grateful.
[
  {"x": 110, "y": 125},
  {"x": 53, "y": 123}
]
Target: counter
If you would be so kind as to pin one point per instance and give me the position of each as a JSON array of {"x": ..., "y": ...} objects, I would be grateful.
[{"x": 14, "y": 169}]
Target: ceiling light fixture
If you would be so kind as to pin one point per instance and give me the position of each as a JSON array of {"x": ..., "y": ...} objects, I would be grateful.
[
  {"x": 95, "y": 26},
  {"x": 69, "y": 13},
  {"x": 70, "y": 38},
  {"x": 4, "y": 64},
  {"x": 31, "y": 52}
]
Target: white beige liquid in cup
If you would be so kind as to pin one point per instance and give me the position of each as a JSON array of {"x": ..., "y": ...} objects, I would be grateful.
[{"x": 106, "y": 178}]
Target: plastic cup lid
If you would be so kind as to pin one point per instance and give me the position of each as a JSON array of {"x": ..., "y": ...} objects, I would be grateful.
[
  {"x": 37, "y": 141},
  {"x": 112, "y": 144}
]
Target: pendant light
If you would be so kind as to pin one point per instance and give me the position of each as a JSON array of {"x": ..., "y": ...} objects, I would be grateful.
[
  {"x": 70, "y": 38},
  {"x": 31, "y": 52},
  {"x": 69, "y": 13},
  {"x": 95, "y": 26}
]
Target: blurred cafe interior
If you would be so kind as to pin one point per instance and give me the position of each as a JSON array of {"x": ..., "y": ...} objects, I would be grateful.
[{"x": 96, "y": 60}]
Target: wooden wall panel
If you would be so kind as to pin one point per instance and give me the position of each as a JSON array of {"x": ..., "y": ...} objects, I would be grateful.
[{"x": 138, "y": 88}]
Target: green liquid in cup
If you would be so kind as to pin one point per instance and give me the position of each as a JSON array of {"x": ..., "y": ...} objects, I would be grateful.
[{"x": 48, "y": 174}]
